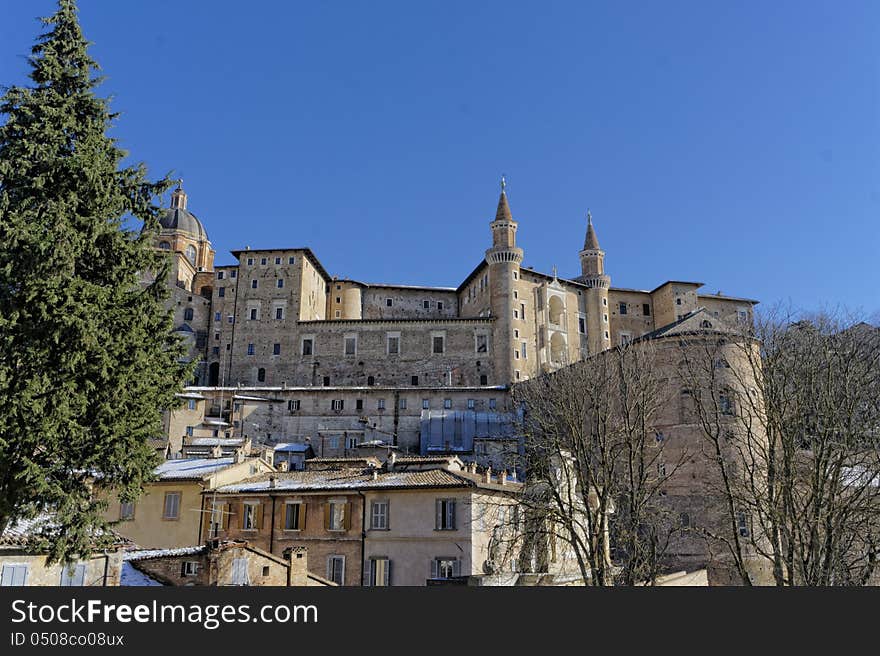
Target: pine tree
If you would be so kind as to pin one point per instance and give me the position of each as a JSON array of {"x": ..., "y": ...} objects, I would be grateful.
[{"x": 88, "y": 358}]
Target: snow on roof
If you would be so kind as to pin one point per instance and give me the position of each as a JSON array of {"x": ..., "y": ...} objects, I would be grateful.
[
  {"x": 189, "y": 395},
  {"x": 214, "y": 422},
  {"x": 242, "y": 397},
  {"x": 143, "y": 554},
  {"x": 292, "y": 446},
  {"x": 130, "y": 576},
  {"x": 215, "y": 441},
  {"x": 191, "y": 467}
]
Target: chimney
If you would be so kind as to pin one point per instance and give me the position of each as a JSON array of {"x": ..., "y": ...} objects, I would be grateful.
[
  {"x": 392, "y": 458},
  {"x": 216, "y": 451},
  {"x": 375, "y": 475},
  {"x": 272, "y": 482},
  {"x": 502, "y": 477},
  {"x": 487, "y": 475},
  {"x": 239, "y": 455},
  {"x": 246, "y": 446}
]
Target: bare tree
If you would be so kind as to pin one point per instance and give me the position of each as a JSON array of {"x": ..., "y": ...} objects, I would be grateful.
[
  {"x": 789, "y": 415},
  {"x": 595, "y": 469}
]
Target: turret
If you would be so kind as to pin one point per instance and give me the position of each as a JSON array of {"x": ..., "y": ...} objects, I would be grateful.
[
  {"x": 593, "y": 276},
  {"x": 504, "y": 259}
]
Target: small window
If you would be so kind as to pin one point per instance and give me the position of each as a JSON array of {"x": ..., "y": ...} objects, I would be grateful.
[
  {"x": 307, "y": 346},
  {"x": 293, "y": 405},
  {"x": 218, "y": 317},
  {"x": 263, "y": 261},
  {"x": 482, "y": 343},
  {"x": 266, "y": 569},
  {"x": 725, "y": 403},
  {"x": 371, "y": 380},
  {"x": 622, "y": 308},
  {"x": 188, "y": 314},
  {"x": 250, "y": 349},
  {"x": 250, "y": 519},
  {"x": 515, "y": 275},
  {"x": 358, "y": 404},
  {"x": 426, "y": 404},
  {"x": 678, "y": 301},
  {"x": 221, "y": 292},
  {"x": 253, "y": 315},
  {"x": 191, "y": 404},
  {"x": 230, "y": 319},
  {"x": 290, "y": 260},
  {"x": 250, "y": 261},
  {"x": 280, "y": 283},
  {"x": 73, "y": 576},
  {"x": 277, "y": 260},
  {"x": 233, "y": 274},
  {"x": 216, "y": 350},
  {"x": 380, "y": 572},
  {"x": 379, "y": 516},
  {"x": 438, "y": 344},
  {"x": 261, "y": 375},
  {"x": 254, "y": 283},
  {"x": 393, "y": 345},
  {"x": 338, "y": 300},
  {"x": 445, "y": 515},
  {"x": 336, "y": 519},
  {"x": 646, "y": 309},
  {"x": 336, "y": 569},
  {"x": 351, "y": 345},
  {"x": 471, "y": 404},
  {"x": 337, "y": 404},
  {"x": 426, "y": 304},
  {"x": 326, "y": 381},
  {"x": 522, "y": 350},
  {"x": 380, "y": 404},
  {"x": 189, "y": 568},
  {"x": 279, "y": 313},
  {"x": 582, "y": 325},
  {"x": 414, "y": 381},
  {"x": 447, "y": 404},
  {"x": 402, "y": 404},
  {"x": 742, "y": 523},
  {"x": 684, "y": 519},
  {"x": 189, "y": 431},
  {"x": 221, "y": 275},
  {"x": 389, "y": 302},
  {"x": 338, "y": 314},
  {"x": 293, "y": 517},
  {"x": 126, "y": 510},
  {"x": 276, "y": 349},
  {"x": 492, "y": 404},
  {"x": 439, "y": 305},
  {"x": 484, "y": 379},
  {"x": 171, "y": 507}
]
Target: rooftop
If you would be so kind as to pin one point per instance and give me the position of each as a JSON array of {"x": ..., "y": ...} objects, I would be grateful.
[{"x": 190, "y": 468}]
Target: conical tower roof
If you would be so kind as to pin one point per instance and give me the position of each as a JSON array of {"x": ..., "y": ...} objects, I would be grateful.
[
  {"x": 503, "y": 212},
  {"x": 591, "y": 242}
]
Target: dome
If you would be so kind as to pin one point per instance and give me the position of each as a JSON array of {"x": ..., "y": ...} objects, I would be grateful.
[{"x": 180, "y": 219}]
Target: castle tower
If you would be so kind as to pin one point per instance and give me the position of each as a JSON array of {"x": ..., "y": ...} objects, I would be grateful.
[
  {"x": 504, "y": 260},
  {"x": 593, "y": 275}
]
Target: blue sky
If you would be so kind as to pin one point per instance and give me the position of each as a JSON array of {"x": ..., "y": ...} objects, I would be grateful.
[{"x": 734, "y": 144}]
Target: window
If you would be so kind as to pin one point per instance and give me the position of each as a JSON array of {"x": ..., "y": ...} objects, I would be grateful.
[
  {"x": 445, "y": 515},
  {"x": 189, "y": 568},
  {"x": 290, "y": 260},
  {"x": 371, "y": 380},
  {"x": 402, "y": 404},
  {"x": 334, "y": 442},
  {"x": 725, "y": 403},
  {"x": 389, "y": 302},
  {"x": 230, "y": 319},
  {"x": 426, "y": 404},
  {"x": 338, "y": 314},
  {"x": 471, "y": 404},
  {"x": 516, "y": 374},
  {"x": 171, "y": 507},
  {"x": 678, "y": 301},
  {"x": 380, "y": 572},
  {"x": 337, "y": 404},
  {"x": 350, "y": 345},
  {"x": 326, "y": 381},
  {"x": 516, "y": 333},
  {"x": 215, "y": 350},
  {"x": 742, "y": 523},
  {"x": 380, "y": 404},
  {"x": 253, "y": 316},
  {"x": 659, "y": 436},
  {"x": 414, "y": 381},
  {"x": 188, "y": 314},
  {"x": 426, "y": 304},
  {"x": 336, "y": 569},
  {"x": 447, "y": 403},
  {"x": 522, "y": 310},
  {"x": 221, "y": 292},
  {"x": 482, "y": 343},
  {"x": 445, "y": 568},
  {"x": 261, "y": 375},
  {"x": 190, "y": 253},
  {"x": 240, "y": 572},
  {"x": 191, "y": 404},
  {"x": 515, "y": 275},
  {"x": 622, "y": 308},
  {"x": 126, "y": 510},
  {"x": 266, "y": 570},
  {"x": 279, "y": 313},
  {"x": 280, "y": 283},
  {"x": 276, "y": 349},
  {"x": 358, "y": 404},
  {"x": 250, "y": 349},
  {"x": 438, "y": 343},
  {"x": 625, "y": 338},
  {"x": 516, "y": 314},
  {"x": 73, "y": 576},
  {"x": 338, "y": 299},
  {"x": 218, "y": 317},
  {"x": 277, "y": 260},
  {"x": 250, "y": 516},
  {"x": 516, "y": 354},
  {"x": 605, "y": 318},
  {"x": 165, "y": 246},
  {"x": 293, "y": 405},
  {"x": 336, "y": 518},
  {"x": 307, "y": 344},
  {"x": 263, "y": 261},
  {"x": 684, "y": 519},
  {"x": 14, "y": 574},
  {"x": 523, "y": 351},
  {"x": 220, "y": 275},
  {"x": 293, "y": 515},
  {"x": 379, "y": 516},
  {"x": 582, "y": 325},
  {"x": 661, "y": 469},
  {"x": 484, "y": 379},
  {"x": 646, "y": 309},
  {"x": 254, "y": 283},
  {"x": 393, "y": 344},
  {"x": 439, "y": 305},
  {"x": 250, "y": 261},
  {"x": 604, "y": 301},
  {"x": 233, "y": 274},
  {"x": 492, "y": 404}
]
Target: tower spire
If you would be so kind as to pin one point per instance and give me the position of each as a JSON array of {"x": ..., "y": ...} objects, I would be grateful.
[
  {"x": 591, "y": 242},
  {"x": 503, "y": 211}
]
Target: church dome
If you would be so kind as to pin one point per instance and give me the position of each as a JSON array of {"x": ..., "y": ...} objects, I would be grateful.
[
  {"x": 178, "y": 218},
  {"x": 182, "y": 220}
]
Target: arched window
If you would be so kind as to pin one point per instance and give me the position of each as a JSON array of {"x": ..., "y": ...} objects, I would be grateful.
[
  {"x": 164, "y": 245},
  {"x": 261, "y": 375},
  {"x": 556, "y": 310},
  {"x": 190, "y": 253},
  {"x": 188, "y": 314}
]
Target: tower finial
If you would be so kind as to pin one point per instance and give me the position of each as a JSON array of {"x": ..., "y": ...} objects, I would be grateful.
[
  {"x": 503, "y": 184},
  {"x": 554, "y": 272},
  {"x": 589, "y": 217}
]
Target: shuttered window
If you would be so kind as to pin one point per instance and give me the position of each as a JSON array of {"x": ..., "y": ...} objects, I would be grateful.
[
  {"x": 171, "y": 509},
  {"x": 14, "y": 575},
  {"x": 380, "y": 572},
  {"x": 240, "y": 572},
  {"x": 73, "y": 575},
  {"x": 445, "y": 515}
]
